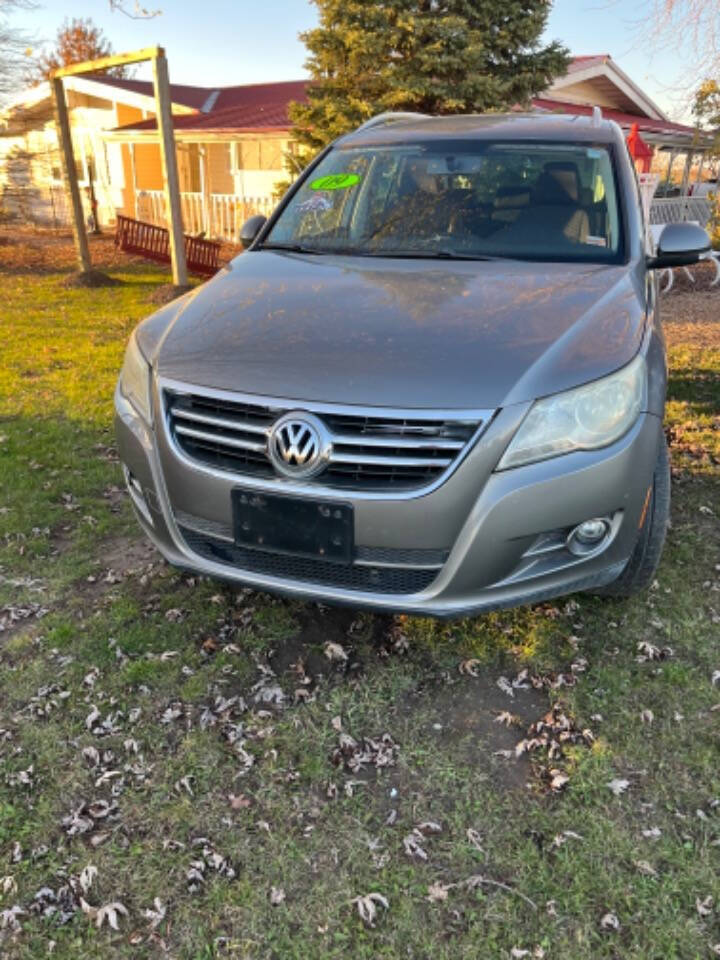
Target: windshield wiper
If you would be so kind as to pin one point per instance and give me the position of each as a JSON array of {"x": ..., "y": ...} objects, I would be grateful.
[
  {"x": 292, "y": 247},
  {"x": 431, "y": 255}
]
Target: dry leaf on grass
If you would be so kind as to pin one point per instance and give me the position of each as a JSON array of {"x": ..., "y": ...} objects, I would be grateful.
[
  {"x": 155, "y": 914},
  {"x": 647, "y": 716},
  {"x": 335, "y": 652},
  {"x": 704, "y": 907},
  {"x": 645, "y": 868},
  {"x": 609, "y": 921},
  {"x": 7, "y": 885},
  {"x": 366, "y": 906},
  {"x": 277, "y": 896},
  {"x": 107, "y": 914},
  {"x": 469, "y": 667},
  {"x": 438, "y": 892},
  {"x": 618, "y": 786},
  {"x": 652, "y": 833},
  {"x": 87, "y": 877},
  {"x": 474, "y": 839}
]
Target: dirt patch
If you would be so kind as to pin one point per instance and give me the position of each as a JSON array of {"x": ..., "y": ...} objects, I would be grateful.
[
  {"x": 691, "y": 312},
  {"x": 36, "y": 250},
  {"x": 168, "y": 292},
  {"x": 91, "y": 279},
  {"x": 465, "y": 713}
]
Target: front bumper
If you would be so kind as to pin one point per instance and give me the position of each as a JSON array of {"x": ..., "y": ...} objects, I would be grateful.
[{"x": 480, "y": 541}]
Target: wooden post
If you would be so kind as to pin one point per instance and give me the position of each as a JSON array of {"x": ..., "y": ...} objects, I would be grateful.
[
  {"x": 134, "y": 180},
  {"x": 62, "y": 122},
  {"x": 673, "y": 154},
  {"x": 686, "y": 173},
  {"x": 171, "y": 182},
  {"x": 205, "y": 190}
]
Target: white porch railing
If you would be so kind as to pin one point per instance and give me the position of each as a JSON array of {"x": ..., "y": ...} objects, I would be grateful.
[
  {"x": 680, "y": 209},
  {"x": 222, "y": 220}
]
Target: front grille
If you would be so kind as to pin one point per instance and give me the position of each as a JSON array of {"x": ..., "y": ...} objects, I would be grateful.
[
  {"x": 386, "y": 580},
  {"x": 375, "y": 452}
]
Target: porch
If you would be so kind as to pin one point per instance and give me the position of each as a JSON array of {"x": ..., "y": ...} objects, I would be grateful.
[
  {"x": 225, "y": 178},
  {"x": 217, "y": 216}
]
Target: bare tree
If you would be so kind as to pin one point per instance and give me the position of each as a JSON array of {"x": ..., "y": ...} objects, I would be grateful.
[
  {"x": 14, "y": 47},
  {"x": 691, "y": 26},
  {"x": 134, "y": 10}
]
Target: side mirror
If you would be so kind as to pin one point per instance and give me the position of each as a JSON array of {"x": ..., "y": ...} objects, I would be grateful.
[
  {"x": 680, "y": 244},
  {"x": 251, "y": 228}
]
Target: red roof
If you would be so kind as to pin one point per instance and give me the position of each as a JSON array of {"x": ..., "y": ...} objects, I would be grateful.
[
  {"x": 263, "y": 106},
  {"x": 582, "y": 63},
  {"x": 252, "y": 100},
  {"x": 645, "y": 124}
]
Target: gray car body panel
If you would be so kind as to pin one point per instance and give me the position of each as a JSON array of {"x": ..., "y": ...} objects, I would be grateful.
[{"x": 421, "y": 334}]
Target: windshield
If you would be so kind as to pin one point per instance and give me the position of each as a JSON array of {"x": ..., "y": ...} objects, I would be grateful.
[{"x": 523, "y": 200}]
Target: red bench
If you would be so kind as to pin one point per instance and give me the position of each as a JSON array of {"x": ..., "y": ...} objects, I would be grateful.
[{"x": 148, "y": 240}]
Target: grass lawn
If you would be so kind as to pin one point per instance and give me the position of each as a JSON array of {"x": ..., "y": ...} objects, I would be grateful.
[{"x": 195, "y": 771}]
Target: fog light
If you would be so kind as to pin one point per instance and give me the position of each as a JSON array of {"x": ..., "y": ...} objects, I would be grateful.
[
  {"x": 591, "y": 532},
  {"x": 588, "y": 537}
]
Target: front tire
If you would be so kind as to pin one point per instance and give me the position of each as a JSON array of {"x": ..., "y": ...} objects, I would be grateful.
[{"x": 640, "y": 570}]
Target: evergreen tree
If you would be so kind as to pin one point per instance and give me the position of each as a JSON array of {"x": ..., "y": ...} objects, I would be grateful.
[{"x": 430, "y": 56}]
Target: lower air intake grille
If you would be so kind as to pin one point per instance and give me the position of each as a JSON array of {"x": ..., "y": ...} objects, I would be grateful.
[
  {"x": 382, "y": 451},
  {"x": 306, "y": 570}
]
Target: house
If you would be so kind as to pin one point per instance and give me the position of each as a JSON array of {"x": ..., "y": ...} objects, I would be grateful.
[
  {"x": 232, "y": 141},
  {"x": 231, "y": 144}
]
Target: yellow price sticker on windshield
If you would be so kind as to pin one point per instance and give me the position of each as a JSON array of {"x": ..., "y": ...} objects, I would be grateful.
[{"x": 335, "y": 181}]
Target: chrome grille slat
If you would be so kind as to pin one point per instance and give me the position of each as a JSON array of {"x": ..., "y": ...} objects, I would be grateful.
[
  {"x": 221, "y": 422},
  {"x": 220, "y": 438},
  {"x": 373, "y": 449},
  {"x": 343, "y": 440},
  {"x": 377, "y": 461}
]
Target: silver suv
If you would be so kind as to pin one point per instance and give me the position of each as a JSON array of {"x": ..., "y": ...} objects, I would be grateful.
[{"x": 433, "y": 383}]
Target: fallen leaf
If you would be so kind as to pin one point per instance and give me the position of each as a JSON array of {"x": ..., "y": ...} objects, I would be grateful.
[
  {"x": 469, "y": 667},
  {"x": 87, "y": 877},
  {"x": 106, "y": 914},
  {"x": 335, "y": 652},
  {"x": 156, "y": 914},
  {"x": 652, "y": 833},
  {"x": 704, "y": 907},
  {"x": 507, "y": 719},
  {"x": 277, "y": 896},
  {"x": 645, "y": 868},
  {"x": 558, "y": 779},
  {"x": 609, "y": 921},
  {"x": 366, "y": 906},
  {"x": 92, "y": 717},
  {"x": 618, "y": 786},
  {"x": 647, "y": 716},
  {"x": 438, "y": 892}
]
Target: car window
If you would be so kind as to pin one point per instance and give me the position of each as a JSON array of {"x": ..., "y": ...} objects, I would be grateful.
[{"x": 520, "y": 199}]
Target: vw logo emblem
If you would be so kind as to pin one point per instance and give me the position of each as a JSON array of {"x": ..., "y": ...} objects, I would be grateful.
[{"x": 299, "y": 445}]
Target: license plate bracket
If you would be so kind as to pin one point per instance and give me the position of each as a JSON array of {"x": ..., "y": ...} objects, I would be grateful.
[{"x": 296, "y": 526}]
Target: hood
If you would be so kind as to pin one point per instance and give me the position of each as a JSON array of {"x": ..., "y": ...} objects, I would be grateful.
[{"x": 400, "y": 333}]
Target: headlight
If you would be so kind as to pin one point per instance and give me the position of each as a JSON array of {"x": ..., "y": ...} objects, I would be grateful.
[
  {"x": 135, "y": 380},
  {"x": 582, "y": 419}
]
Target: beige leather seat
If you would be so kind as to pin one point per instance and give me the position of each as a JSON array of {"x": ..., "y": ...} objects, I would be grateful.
[{"x": 555, "y": 213}]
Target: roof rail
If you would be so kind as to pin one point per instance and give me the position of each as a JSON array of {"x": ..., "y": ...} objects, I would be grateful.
[{"x": 390, "y": 117}]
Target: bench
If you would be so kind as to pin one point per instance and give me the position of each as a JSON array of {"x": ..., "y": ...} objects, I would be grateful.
[{"x": 153, "y": 242}]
